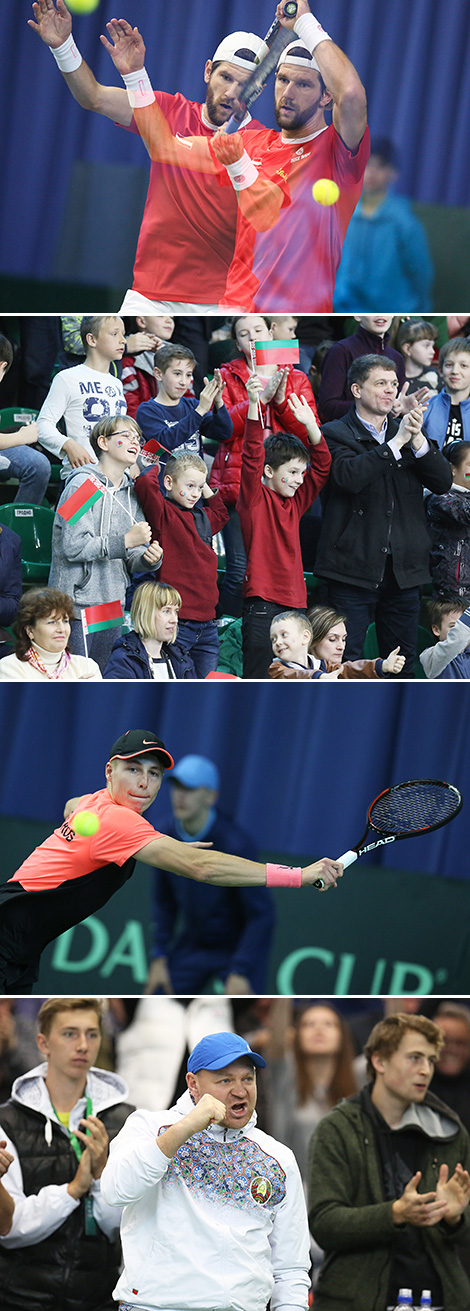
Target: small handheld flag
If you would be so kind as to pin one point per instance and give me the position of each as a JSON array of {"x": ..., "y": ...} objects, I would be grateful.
[
  {"x": 151, "y": 451},
  {"x": 276, "y": 352},
  {"x": 81, "y": 500},
  {"x": 97, "y": 617}
]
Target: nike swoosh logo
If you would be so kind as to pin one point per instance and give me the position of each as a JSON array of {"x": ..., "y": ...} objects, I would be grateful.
[{"x": 184, "y": 142}]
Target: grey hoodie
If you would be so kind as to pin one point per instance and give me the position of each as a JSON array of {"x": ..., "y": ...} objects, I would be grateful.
[{"x": 89, "y": 558}]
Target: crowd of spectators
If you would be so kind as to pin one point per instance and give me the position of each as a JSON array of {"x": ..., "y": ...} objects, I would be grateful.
[{"x": 244, "y": 495}]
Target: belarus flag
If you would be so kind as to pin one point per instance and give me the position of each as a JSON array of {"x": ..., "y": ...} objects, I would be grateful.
[
  {"x": 108, "y": 615},
  {"x": 275, "y": 352},
  {"x": 81, "y": 500}
]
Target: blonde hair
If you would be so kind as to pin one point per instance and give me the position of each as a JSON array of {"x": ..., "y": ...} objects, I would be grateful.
[
  {"x": 148, "y": 598},
  {"x": 300, "y": 619},
  {"x": 55, "y": 1005},
  {"x": 180, "y": 463},
  {"x": 92, "y": 324}
]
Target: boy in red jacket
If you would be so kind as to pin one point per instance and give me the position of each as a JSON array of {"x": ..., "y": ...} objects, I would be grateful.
[
  {"x": 278, "y": 484},
  {"x": 186, "y": 528}
]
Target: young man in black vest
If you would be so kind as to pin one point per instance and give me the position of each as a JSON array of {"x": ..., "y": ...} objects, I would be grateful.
[{"x": 55, "y": 1133}]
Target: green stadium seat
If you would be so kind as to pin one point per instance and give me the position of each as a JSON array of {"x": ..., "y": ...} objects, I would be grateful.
[
  {"x": 33, "y": 523},
  {"x": 15, "y": 416}
]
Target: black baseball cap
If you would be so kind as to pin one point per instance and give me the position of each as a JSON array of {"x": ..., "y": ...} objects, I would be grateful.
[{"x": 140, "y": 742}]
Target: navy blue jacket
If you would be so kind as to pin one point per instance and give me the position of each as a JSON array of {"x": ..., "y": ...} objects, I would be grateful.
[
  {"x": 10, "y": 575},
  {"x": 129, "y": 659},
  {"x": 179, "y": 428},
  {"x": 199, "y": 916}
]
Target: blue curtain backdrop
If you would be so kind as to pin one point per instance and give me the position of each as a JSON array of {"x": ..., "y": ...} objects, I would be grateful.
[
  {"x": 413, "y": 57},
  {"x": 299, "y": 766}
]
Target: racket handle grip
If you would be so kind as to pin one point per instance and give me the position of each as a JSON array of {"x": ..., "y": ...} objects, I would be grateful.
[
  {"x": 348, "y": 859},
  {"x": 235, "y": 121}
]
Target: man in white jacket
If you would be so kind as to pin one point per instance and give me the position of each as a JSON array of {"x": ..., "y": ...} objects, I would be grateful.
[
  {"x": 214, "y": 1212},
  {"x": 59, "y": 1240}
]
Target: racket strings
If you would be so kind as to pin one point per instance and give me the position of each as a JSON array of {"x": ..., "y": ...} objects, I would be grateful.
[{"x": 413, "y": 808}]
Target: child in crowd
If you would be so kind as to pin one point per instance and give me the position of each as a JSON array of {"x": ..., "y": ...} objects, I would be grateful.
[
  {"x": 278, "y": 484},
  {"x": 313, "y": 648},
  {"x": 146, "y": 651},
  {"x": 447, "y": 417},
  {"x": 83, "y": 395},
  {"x": 138, "y": 377},
  {"x": 179, "y": 421},
  {"x": 416, "y": 339},
  {"x": 448, "y": 517},
  {"x": 42, "y": 631},
  {"x": 94, "y": 558},
  {"x": 185, "y": 526},
  {"x": 278, "y": 385},
  {"x": 450, "y": 656},
  {"x": 283, "y": 327},
  {"x": 32, "y": 468}
]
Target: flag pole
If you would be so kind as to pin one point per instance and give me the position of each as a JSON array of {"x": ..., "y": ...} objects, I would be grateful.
[
  {"x": 253, "y": 363},
  {"x": 84, "y": 627}
]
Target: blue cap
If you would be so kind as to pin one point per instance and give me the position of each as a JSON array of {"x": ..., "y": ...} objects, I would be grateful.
[
  {"x": 196, "y": 772},
  {"x": 220, "y": 1049}
]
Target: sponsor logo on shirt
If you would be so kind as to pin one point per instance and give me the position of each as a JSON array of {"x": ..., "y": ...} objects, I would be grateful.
[{"x": 67, "y": 832}]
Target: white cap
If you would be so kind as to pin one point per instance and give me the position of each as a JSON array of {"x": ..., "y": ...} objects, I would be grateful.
[
  {"x": 241, "y": 48},
  {"x": 302, "y": 58}
]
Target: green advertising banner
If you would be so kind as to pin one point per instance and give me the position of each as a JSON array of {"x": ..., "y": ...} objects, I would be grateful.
[{"x": 379, "y": 932}]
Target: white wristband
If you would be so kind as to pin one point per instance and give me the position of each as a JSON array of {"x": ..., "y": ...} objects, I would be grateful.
[
  {"x": 139, "y": 89},
  {"x": 67, "y": 56},
  {"x": 242, "y": 173},
  {"x": 310, "y": 31}
]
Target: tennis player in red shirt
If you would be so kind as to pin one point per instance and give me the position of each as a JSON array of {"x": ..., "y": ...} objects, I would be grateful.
[{"x": 187, "y": 236}]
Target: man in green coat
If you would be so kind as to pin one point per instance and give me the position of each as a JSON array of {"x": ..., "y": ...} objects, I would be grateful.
[{"x": 389, "y": 1181}]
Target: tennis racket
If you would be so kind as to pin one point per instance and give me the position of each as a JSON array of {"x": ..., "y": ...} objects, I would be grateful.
[
  {"x": 405, "y": 811},
  {"x": 277, "y": 38}
]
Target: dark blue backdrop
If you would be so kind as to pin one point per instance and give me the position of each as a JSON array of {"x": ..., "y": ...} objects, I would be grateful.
[
  {"x": 301, "y": 765},
  {"x": 413, "y": 57}
]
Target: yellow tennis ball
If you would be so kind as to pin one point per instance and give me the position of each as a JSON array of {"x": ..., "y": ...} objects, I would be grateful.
[
  {"x": 325, "y": 192},
  {"x": 82, "y": 6},
  {"x": 86, "y": 823}
]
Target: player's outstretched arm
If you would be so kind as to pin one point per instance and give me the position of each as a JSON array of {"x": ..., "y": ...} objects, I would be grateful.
[
  {"x": 224, "y": 870},
  {"x": 53, "y": 24},
  {"x": 338, "y": 73}
]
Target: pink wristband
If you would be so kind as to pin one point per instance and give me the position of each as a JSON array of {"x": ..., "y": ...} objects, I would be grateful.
[{"x": 283, "y": 876}]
